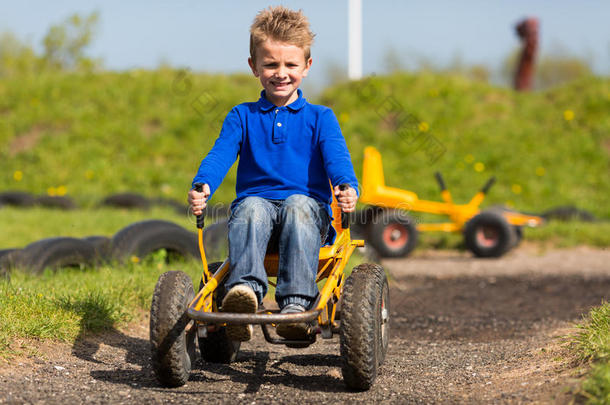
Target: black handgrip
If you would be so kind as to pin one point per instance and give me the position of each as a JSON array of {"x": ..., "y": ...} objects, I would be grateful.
[
  {"x": 488, "y": 185},
  {"x": 199, "y": 189},
  {"x": 345, "y": 217},
  {"x": 441, "y": 182}
]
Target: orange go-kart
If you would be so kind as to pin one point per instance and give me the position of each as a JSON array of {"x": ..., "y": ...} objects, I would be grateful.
[{"x": 183, "y": 323}]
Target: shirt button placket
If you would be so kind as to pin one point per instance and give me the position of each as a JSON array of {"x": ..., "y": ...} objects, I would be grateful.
[{"x": 278, "y": 129}]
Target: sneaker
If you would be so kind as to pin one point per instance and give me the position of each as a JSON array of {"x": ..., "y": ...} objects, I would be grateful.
[
  {"x": 293, "y": 331},
  {"x": 240, "y": 299}
]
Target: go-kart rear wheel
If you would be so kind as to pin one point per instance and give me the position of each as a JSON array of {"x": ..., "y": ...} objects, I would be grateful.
[
  {"x": 518, "y": 235},
  {"x": 392, "y": 233},
  {"x": 488, "y": 234},
  {"x": 173, "y": 346},
  {"x": 217, "y": 347},
  {"x": 364, "y": 325}
]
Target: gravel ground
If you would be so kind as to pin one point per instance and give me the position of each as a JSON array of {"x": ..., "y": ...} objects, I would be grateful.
[{"x": 464, "y": 330}]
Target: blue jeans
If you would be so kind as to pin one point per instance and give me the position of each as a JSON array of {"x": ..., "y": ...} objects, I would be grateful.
[{"x": 296, "y": 226}]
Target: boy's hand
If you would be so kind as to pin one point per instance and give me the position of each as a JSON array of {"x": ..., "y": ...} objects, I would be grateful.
[
  {"x": 346, "y": 198},
  {"x": 197, "y": 201}
]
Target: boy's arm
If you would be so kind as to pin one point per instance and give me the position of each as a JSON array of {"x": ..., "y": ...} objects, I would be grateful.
[
  {"x": 216, "y": 164},
  {"x": 336, "y": 157}
]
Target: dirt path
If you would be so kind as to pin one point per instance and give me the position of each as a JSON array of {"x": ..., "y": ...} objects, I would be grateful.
[{"x": 463, "y": 331}]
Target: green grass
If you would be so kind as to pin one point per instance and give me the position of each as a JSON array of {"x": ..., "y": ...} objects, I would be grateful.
[
  {"x": 593, "y": 345},
  {"x": 93, "y": 134},
  {"x": 70, "y": 303},
  {"x": 568, "y": 234}
]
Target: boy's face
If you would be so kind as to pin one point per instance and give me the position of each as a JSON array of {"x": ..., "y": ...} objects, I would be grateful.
[{"x": 280, "y": 67}]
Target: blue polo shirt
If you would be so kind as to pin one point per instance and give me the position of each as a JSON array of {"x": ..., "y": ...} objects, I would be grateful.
[{"x": 282, "y": 151}]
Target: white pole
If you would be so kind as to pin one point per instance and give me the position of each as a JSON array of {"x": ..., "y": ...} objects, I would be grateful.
[{"x": 354, "y": 70}]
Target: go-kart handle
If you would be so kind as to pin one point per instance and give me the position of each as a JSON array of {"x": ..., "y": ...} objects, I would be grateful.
[
  {"x": 441, "y": 182},
  {"x": 199, "y": 189},
  {"x": 345, "y": 217},
  {"x": 488, "y": 185}
]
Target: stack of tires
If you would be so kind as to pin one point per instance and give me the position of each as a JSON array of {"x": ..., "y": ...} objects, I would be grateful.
[{"x": 139, "y": 239}]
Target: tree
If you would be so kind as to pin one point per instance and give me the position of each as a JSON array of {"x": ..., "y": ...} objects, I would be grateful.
[
  {"x": 65, "y": 43},
  {"x": 16, "y": 56}
]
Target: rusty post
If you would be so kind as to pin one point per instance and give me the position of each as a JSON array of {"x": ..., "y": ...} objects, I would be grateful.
[{"x": 528, "y": 33}]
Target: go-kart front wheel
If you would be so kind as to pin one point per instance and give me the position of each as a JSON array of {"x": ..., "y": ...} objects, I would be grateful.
[
  {"x": 364, "y": 325},
  {"x": 173, "y": 347}
]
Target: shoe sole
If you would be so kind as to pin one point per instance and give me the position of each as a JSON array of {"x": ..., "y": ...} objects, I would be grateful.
[
  {"x": 240, "y": 301},
  {"x": 293, "y": 331}
]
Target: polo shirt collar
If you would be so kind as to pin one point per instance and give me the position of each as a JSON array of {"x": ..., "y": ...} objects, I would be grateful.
[{"x": 266, "y": 105}]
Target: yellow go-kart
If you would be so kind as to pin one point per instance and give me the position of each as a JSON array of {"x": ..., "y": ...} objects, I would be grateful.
[
  {"x": 488, "y": 233},
  {"x": 182, "y": 322}
]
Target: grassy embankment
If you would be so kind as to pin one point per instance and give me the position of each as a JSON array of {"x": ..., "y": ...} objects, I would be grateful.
[
  {"x": 72, "y": 303},
  {"x": 89, "y": 135},
  {"x": 592, "y": 345}
]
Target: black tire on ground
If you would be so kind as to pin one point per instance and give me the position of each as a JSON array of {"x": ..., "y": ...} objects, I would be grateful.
[
  {"x": 392, "y": 233},
  {"x": 5, "y": 252},
  {"x": 216, "y": 211},
  {"x": 216, "y": 240},
  {"x": 568, "y": 213},
  {"x": 59, "y": 202},
  {"x": 8, "y": 257},
  {"x": 518, "y": 230},
  {"x": 173, "y": 348},
  {"x": 17, "y": 199},
  {"x": 102, "y": 245},
  {"x": 364, "y": 325},
  {"x": 488, "y": 234},
  {"x": 55, "y": 253},
  {"x": 360, "y": 221},
  {"x": 127, "y": 200},
  {"x": 217, "y": 347},
  {"x": 142, "y": 238}
]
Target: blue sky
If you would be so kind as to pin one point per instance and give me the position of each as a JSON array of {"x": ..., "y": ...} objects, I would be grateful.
[{"x": 213, "y": 35}]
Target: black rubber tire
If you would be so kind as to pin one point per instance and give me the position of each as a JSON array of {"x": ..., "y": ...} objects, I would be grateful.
[
  {"x": 173, "y": 350},
  {"x": 217, "y": 347},
  {"x": 6, "y": 252},
  {"x": 384, "y": 225},
  {"x": 59, "y": 202},
  {"x": 495, "y": 224},
  {"x": 216, "y": 211},
  {"x": 364, "y": 331},
  {"x": 142, "y": 238},
  {"x": 127, "y": 200},
  {"x": 8, "y": 258},
  {"x": 102, "y": 245},
  {"x": 17, "y": 199},
  {"x": 216, "y": 240},
  {"x": 55, "y": 253},
  {"x": 518, "y": 231},
  {"x": 568, "y": 213}
]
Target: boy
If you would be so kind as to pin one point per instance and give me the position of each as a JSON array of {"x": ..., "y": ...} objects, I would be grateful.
[{"x": 288, "y": 150}]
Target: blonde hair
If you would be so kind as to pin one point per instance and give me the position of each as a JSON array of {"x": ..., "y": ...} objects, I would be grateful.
[{"x": 281, "y": 24}]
